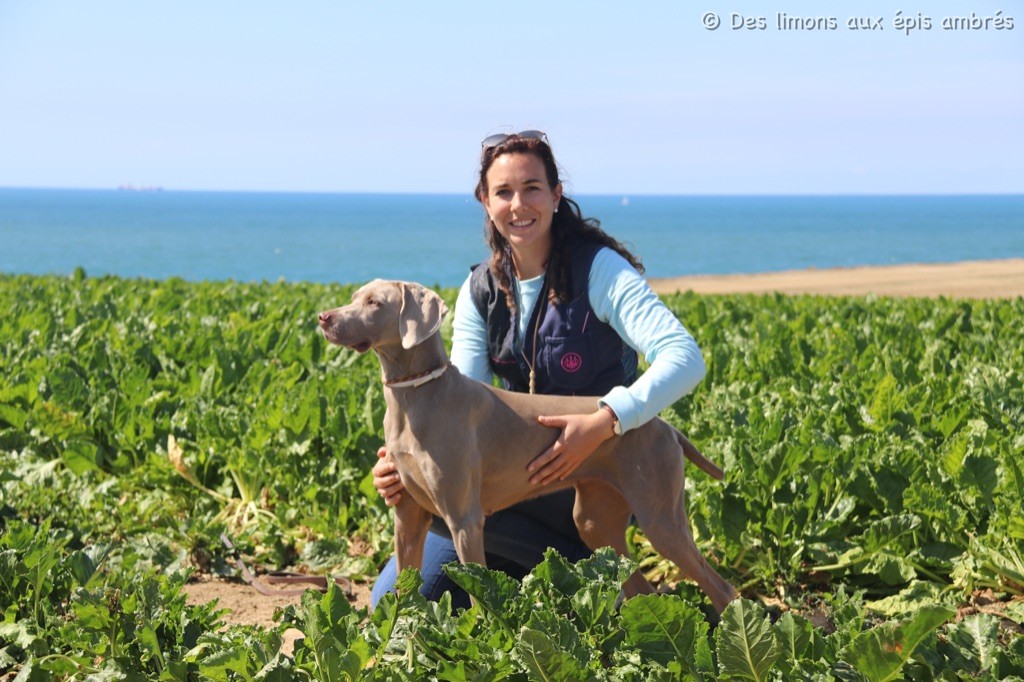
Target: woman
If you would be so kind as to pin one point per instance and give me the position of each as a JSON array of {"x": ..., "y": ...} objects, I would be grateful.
[{"x": 560, "y": 308}]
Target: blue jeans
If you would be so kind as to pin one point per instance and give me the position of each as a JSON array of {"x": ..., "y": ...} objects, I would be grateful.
[{"x": 514, "y": 542}]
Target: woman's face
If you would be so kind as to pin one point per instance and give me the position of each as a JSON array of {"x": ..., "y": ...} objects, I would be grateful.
[{"x": 521, "y": 205}]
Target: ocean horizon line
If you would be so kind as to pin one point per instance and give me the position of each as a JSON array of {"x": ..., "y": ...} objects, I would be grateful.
[{"x": 159, "y": 189}]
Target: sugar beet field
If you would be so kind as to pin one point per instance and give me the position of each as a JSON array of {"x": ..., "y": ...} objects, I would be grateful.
[{"x": 871, "y": 514}]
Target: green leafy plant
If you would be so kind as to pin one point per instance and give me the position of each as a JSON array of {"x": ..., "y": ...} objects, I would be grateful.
[{"x": 872, "y": 450}]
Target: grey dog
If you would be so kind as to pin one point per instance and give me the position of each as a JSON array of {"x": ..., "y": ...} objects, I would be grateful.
[{"x": 462, "y": 447}]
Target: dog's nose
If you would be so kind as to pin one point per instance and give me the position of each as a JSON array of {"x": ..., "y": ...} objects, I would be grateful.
[{"x": 325, "y": 319}]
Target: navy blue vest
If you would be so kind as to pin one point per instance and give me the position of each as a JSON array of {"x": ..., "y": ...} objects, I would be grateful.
[{"x": 576, "y": 354}]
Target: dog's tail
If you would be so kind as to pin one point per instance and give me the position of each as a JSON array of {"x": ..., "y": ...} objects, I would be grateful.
[{"x": 698, "y": 458}]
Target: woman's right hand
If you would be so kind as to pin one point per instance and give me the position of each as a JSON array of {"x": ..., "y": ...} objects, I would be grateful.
[{"x": 386, "y": 479}]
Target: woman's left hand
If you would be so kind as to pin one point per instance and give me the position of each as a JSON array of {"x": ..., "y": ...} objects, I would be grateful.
[{"x": 581, "y": 435}]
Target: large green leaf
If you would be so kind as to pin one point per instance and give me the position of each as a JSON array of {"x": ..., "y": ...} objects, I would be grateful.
[
  {"x": 798, "y": 641},
  {"x": 974, "y": 643},
  {"x": 885, "y": 402},
  {"x": 666, "y": 629},
  {"x": 881, "y": 652},
  {"x": 544, "y": 660},
  {"x": 494, "y": 591},
  {"x": 917, "y": 594},
  {"x": 555, "y": 571},
  {"x": 745, "y": 642},
  {"x": 334, "y": 640}
]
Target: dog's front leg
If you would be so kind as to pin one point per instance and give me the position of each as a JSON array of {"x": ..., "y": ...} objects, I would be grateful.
[
  {"x": 467, "y": 531},
  {"x": 411, "y": 525}
]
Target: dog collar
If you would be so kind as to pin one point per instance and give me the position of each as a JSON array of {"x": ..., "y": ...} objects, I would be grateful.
[{"x": 417, "y": 379}]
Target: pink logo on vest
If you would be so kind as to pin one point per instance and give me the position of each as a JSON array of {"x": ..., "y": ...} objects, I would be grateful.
[{"x": 571, "y": 362}]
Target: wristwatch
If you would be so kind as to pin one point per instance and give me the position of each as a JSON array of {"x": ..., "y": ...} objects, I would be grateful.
[{"x": 616, "y": 426}]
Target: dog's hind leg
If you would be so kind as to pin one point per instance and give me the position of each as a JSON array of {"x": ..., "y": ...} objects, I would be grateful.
[
  {"x": 602, "y": 516},
  {"x": 669, "y": 533}
]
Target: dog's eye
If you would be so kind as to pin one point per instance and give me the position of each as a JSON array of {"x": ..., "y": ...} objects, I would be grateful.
[{"x": 373, "y": 302}]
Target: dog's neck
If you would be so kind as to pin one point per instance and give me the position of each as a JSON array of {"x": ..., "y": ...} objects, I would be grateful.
[{"x": 399, "y": 363}]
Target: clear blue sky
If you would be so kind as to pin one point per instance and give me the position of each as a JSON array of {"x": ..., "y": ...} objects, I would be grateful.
[{"x": 395, "y": 96}]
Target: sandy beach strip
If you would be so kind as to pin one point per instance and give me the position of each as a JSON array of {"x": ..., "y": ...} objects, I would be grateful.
[{"x": 966, "y": 279}]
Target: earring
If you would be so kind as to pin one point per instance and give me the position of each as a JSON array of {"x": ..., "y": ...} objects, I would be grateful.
[{"x": 556, "y": 209}]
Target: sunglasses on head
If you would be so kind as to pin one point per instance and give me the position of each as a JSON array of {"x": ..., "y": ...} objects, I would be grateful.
[{"x": 498, "y": 138}]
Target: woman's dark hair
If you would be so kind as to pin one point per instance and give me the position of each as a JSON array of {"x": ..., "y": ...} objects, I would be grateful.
[{"x": 566, "y": 224}]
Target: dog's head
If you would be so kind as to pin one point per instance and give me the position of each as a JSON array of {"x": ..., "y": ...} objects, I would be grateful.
[{"x": 385, "y": 313}]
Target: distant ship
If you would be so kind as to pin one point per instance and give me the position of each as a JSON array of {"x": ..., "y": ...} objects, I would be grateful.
[{"x": 140, "y": 188}]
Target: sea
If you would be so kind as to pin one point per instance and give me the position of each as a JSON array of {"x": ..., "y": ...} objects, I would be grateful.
[{"x": 436, "y": 238}]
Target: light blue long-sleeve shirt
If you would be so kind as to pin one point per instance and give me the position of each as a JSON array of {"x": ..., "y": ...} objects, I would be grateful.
[{"x": 620, "y": 297}]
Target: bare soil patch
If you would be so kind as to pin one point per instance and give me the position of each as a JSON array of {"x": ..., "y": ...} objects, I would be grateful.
[{"x": 246, "y": 606}]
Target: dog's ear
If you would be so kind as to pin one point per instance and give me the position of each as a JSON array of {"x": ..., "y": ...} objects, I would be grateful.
[{"x": 421, "y": 314}]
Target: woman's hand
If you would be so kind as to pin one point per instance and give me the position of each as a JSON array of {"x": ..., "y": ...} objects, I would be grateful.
[
  {"x": 386, "y": 479},
  {"x": 581, "y": 435}
]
